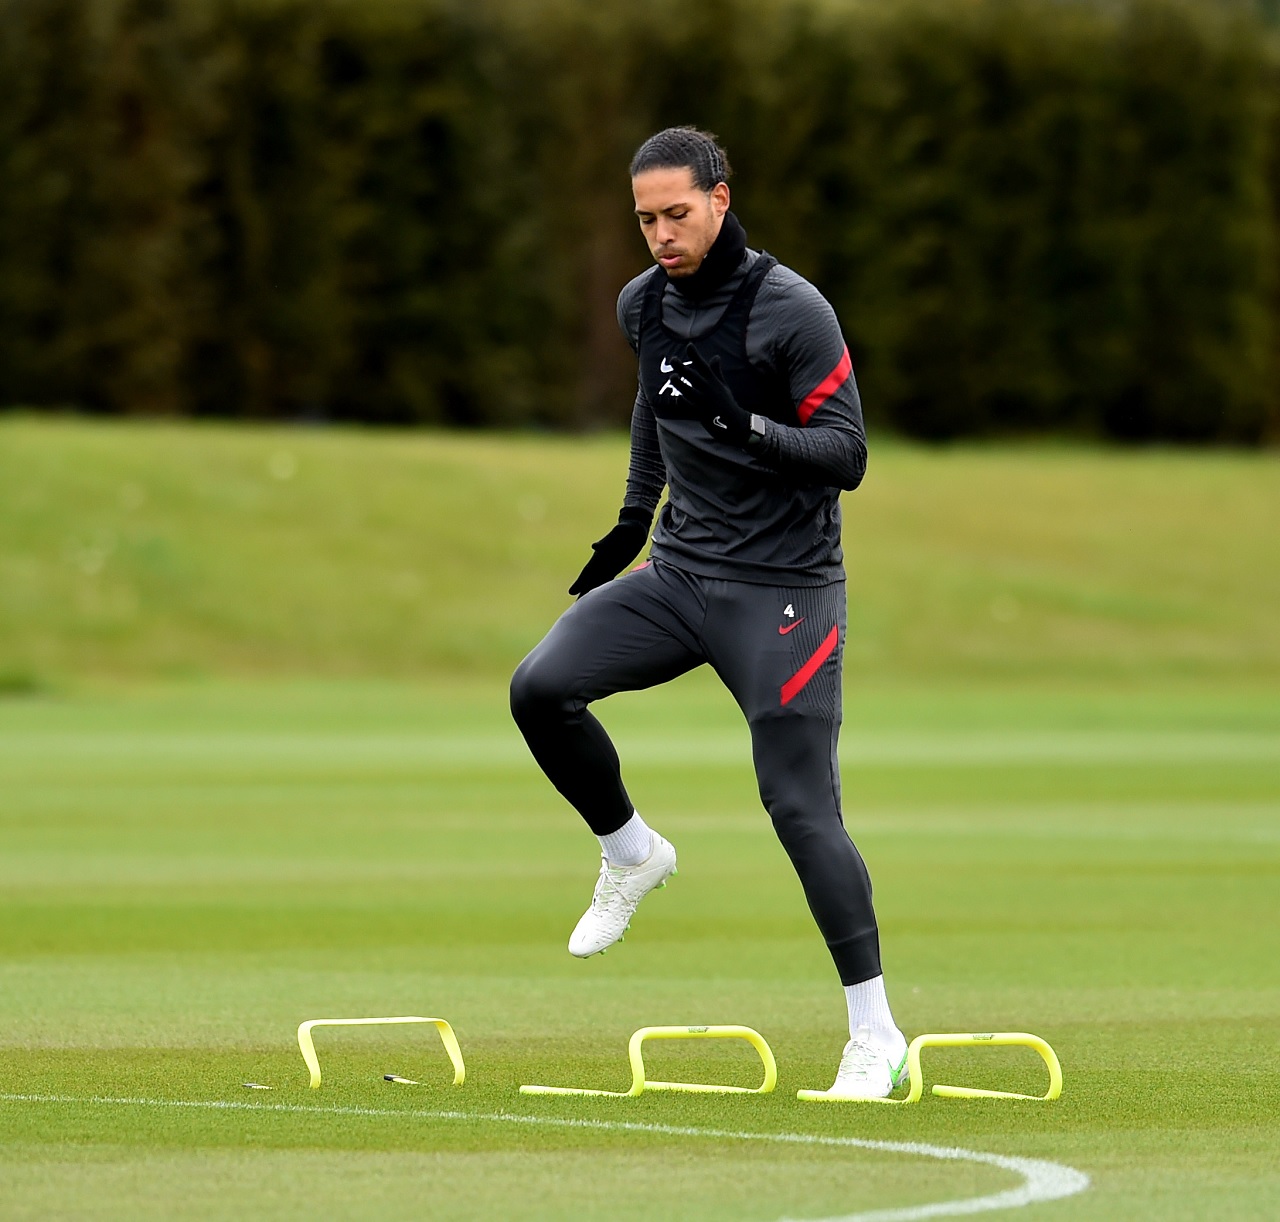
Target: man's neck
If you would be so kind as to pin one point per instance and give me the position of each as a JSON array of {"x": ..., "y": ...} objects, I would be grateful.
[{"x": 719, "y": 264}]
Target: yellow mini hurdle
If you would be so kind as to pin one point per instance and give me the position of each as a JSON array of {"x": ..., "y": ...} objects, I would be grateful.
[
  {"x": 970, "y": 1039},
  {"x": 640, "y": 1084}
]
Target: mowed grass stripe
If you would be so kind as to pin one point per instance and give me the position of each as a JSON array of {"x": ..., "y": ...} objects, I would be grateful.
[
  {"x": 116, "y": 751},
  {"x": 1041, "y": 1180}
]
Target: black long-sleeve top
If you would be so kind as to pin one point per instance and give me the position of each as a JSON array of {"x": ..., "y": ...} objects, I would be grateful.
[{"x": 792, "y": 329}]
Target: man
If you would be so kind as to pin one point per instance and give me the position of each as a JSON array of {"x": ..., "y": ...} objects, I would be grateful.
[{"x": 748, "y": 414}]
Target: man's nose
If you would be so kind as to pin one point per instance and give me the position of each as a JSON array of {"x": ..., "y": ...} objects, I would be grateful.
[{"x": 666, "y": 232}]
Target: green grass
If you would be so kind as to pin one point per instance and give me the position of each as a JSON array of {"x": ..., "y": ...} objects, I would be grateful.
[
  {"x": 1070, "y": 812},
  {"x": 179, "y": 551},
  {"x": 190, "y": 872}
]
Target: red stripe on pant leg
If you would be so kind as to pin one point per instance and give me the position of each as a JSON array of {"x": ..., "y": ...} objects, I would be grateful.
[{"x": 793, "y": 686}]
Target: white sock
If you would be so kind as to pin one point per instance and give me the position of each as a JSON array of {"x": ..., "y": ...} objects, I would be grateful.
[
  {"x": 869, "y": 1007},
  {"x": 631, "y": 844}
]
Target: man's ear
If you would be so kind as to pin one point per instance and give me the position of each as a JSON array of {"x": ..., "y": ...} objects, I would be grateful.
[{"x": 720, "y": 198}]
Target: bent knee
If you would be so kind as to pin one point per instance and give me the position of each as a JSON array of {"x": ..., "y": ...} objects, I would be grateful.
[{"x": 537, "y": 689}]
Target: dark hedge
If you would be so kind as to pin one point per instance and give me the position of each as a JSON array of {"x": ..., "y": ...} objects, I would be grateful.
[{"x": 1030, "y": 216}]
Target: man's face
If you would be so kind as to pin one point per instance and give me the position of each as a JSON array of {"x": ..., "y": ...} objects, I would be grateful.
[{"x": 678, "y": 220}]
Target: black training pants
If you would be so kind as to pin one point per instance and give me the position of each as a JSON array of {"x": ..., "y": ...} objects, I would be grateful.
[{"x": 778, "y": 650}]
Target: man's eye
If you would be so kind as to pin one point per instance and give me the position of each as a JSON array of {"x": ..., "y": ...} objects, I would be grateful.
[{"x": 678, "y": 216}]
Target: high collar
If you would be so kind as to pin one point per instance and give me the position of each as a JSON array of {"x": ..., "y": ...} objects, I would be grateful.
[{"x": 720, "y": 262}]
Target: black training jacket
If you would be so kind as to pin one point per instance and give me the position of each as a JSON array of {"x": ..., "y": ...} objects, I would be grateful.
[{"x": 769, "y": 514}]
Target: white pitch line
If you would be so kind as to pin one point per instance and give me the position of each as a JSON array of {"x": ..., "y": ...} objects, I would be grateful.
[{"x": 1042, "y": 1180}]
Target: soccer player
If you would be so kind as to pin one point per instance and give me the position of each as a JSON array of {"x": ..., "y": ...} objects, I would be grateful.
[{"x": 748, "y": 415}]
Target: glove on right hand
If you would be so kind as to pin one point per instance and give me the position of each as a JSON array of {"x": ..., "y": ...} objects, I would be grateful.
[
  {"x": 614, "y": 552},
  {"x": 709, "y": 395}
]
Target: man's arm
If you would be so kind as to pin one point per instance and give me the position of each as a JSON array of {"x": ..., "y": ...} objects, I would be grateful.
[
  {"x": 796, "y": 331},
  {"x": 647, "y": 473},
  {"x": 646, "y": 477}
]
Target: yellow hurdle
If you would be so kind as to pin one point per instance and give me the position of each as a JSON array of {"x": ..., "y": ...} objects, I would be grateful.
[
  {"x": 640, "y": 1084},
  {"x": 969, "y": 1039},
  {"x": 307, "y": 1044}
]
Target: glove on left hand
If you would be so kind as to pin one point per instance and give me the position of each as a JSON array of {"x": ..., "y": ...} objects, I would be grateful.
[
  {"x": 615, "y": 551},
  {"x": 708, "y": 394}
]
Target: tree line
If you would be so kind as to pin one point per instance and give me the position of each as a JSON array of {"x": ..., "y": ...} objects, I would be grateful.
[{"x": 1031, "y": 217}]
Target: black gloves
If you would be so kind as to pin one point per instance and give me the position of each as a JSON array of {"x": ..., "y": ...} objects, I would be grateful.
[
  {"x": 708, "y": 394},
  {"x": 615, "y": 551}
]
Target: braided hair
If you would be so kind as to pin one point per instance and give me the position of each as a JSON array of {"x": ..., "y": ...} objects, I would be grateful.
[{"x": 676, "y": 148}]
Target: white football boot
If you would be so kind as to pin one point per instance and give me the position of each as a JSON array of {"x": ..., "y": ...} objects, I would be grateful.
[
  {"x": 619, "y": 890},
  {"x": 871, "y": 1066}
]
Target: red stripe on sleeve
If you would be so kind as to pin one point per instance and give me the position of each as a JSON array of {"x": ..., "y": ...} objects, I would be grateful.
[
  {"x": 826, "y": 388},
  {"x": 793, "y": 686}
]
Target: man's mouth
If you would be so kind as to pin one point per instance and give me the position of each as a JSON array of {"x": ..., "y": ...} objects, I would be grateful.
[{"x": 670, "y": 260}]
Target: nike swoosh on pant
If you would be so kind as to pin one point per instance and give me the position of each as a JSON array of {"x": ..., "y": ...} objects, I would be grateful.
[{"x": 783, "y": 629}]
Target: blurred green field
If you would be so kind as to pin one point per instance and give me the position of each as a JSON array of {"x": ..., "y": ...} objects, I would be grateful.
[
  {"x": 187, "y": 551},
  {"x": 245, "y": 781}
]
